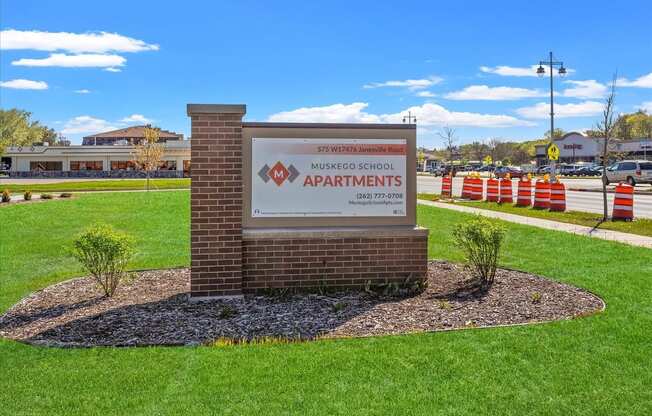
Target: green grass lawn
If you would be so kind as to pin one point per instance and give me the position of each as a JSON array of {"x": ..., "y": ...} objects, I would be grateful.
[
  {"x": 99, "y": 185},
  {"x": 599, "y": 365},
  {"x": 640, "y": 226}
]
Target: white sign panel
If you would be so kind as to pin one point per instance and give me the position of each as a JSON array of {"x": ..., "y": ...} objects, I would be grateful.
[{"x": 328, "y": 177}]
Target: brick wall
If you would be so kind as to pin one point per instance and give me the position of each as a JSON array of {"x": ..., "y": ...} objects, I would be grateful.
[
  {"x": 336, "y": 262},
  {"x": 227, "y": 260},
  {"x": 216, "y": 200}
]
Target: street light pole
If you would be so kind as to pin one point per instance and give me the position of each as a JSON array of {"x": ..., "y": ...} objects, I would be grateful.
[{"x": 551, "y": 63}]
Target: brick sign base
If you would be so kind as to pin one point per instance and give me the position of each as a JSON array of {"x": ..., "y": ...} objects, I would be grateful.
[{"x": 228, "y": 260}]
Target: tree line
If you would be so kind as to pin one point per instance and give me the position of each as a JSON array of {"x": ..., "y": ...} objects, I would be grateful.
[{"x": 18, "y": 129}]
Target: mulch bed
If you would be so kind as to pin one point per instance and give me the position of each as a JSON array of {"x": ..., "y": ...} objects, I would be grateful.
[{"x": 153, "y": 309}]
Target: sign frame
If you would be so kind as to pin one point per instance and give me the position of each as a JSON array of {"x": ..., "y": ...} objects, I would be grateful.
[{"x": 378, "y": 132}]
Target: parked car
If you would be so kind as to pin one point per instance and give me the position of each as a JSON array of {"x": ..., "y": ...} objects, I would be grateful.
[
  {"x": 513, "y": 171},
  {"x": 630, "y": 171},
  {"x": 543, "y": 170},
  {"x": 588, "y": 171}
]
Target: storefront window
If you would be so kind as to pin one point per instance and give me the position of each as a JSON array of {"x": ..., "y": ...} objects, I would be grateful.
[
  {"x": 167, "y": 165},
  {"x": 123, "y": 165},
  {"x": 186, "y": 166},
  {"x": 86, "y": 165},
  {"x": 44, "y": 166}
]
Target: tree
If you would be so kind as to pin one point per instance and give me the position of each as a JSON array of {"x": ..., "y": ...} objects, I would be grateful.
[
  {"x": 16, "y": 129},
  {"x": 448, "y": 135},
  {"x": 149, "y": 153},
  {"x": 605, "y": 127},
  {"x": 558, "y": 133}
]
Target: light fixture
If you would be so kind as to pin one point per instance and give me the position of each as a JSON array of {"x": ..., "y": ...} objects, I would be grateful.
[
  {"x": 562, "y": 71},
  {"x": 540, "y": 71}
]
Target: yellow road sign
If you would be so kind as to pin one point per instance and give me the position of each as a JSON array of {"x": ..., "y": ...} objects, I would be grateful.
[
  {"x": 487, "y": 160},
  {"x": 553, "y": 152}
]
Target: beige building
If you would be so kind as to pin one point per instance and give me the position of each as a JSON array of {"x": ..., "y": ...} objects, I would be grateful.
[{"x": 89, "y": 160}]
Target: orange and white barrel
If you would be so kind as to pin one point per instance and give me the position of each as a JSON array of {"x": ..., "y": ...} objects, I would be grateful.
[
  {"x": 446, "y": 186},
  {"x": 476, "y": 186},
  {"x": 623, "y": 202},
  {"x": 524, "y": 193},
  {"x": 492, "y": 190},
  {"x": 506, "y": 192},
  {"x": 542, "y": 194},
  {"x": 466, "y": 191},
  {"x": 557, "y": 197}
]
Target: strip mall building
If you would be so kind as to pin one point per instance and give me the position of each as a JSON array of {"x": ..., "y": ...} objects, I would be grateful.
[{"x": 108, "y": 154}]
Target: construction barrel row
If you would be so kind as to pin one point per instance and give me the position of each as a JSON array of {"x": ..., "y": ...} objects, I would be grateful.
[{"x": 547, "y": 195}]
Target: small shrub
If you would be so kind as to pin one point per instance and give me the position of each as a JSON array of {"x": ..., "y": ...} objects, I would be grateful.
[
  {"x": 536, "y": 297},
  {"x": 445, "y": 305},
  {"x": 6, "y": 195},
  {"x": 480, "y": 239},
  {"x": 338, "y": 306},
  {"x": 227, "y": 312},
  {"x": 27, "y": 196},
  {"x": 104, "y": 253},
  {"x": 46, "y": 196},
  {"x": 65, "y": 195}
]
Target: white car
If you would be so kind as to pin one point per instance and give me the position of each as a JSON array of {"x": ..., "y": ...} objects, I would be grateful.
[{"x": 630, "y": 171}]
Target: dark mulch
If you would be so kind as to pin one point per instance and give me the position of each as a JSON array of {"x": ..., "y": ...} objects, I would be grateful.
[{"x": 153, "y": 310}]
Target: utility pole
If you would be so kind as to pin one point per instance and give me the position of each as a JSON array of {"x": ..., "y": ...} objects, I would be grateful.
[{"x": 551, "y": 63}]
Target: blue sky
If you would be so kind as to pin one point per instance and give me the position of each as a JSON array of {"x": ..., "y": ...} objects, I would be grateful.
[{"x": 84, "y": 67}]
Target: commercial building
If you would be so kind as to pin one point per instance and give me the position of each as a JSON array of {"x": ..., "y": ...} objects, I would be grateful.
[
  {"x": 109, "y": 154},
  {"x": 577, "y": 148}
]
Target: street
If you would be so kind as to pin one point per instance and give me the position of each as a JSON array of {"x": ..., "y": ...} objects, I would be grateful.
[{"x": 575, "y": 200}]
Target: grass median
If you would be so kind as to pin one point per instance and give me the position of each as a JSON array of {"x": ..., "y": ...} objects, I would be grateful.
[
  {"x": 99, "y": 185},
  {"x": 640, "y": 226},
  {"x": 594, "y": 365}
]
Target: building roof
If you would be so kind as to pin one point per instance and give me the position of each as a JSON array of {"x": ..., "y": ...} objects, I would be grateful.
[{"x": 135, "y": 132}]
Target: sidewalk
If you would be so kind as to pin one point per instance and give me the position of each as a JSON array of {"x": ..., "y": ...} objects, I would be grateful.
[{"x": 625, "y": 238}]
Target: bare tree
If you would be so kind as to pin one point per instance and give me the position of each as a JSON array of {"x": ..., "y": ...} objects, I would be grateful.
[
  {"x": 149, "y": 153},
  {"x": 605, "y": 127},
  {"x": 448, "y": 136}
]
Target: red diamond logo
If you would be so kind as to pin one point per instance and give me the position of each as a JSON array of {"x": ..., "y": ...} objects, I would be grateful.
[{"x": 278, "y": 173}]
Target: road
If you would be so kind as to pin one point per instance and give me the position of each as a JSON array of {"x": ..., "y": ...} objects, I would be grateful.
[{"x": 575, "y": 200}]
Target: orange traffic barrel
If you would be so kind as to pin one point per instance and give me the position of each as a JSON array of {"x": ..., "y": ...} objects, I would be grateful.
[
  {"x": 492, "y": 190},
  {"x": 506, "y": 193},
  {"x": 446, "y": 186},
  {"x": 542, "y": 194},
  {"x": 524, "y": 193},
  {"x": 623, "y": 203},
  {"x": 476, "y": 186},
  {"x": 466, "y": 191},
  {"x": 557, "y": 196}
]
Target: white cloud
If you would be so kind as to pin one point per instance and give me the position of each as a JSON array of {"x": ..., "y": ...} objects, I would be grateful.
[
  {"x": 24, "y": 84},
  {"x": 94, "y": 42},
  {"x": 112, "y": 69},
  {"x": 542, "y": 110},
  {"x": 83, "y": 91},
  {"x": 483, "y": 92},
  {"x": 411, "y": 84},
  {"x": 644, "y": 81},
  {"x": 426, "y": 94},
  {"x": 427, "y": 114},
  {"x": 647, "y": 106},
  {"x": 86, "y": 124},
  {"x": 88, "y": 60},
  {"x": 336, "y": 113},
  {"x": 585, "y": 89},
  {"x": 136, "y": 118},
  {"x": 511, "y": 71}
]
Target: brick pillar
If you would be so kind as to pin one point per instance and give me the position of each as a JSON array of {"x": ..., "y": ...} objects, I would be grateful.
[{"x": 216, "y": 200}]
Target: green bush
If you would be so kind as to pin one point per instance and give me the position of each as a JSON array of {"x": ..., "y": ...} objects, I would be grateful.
[
  {"x": 104, "y": 253},
  {"x": 6, "y": 195},
  {"x": 46, "y": 196},
  {"x": 480, "y": 239},
  {"x": 27, "y": 196}
]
